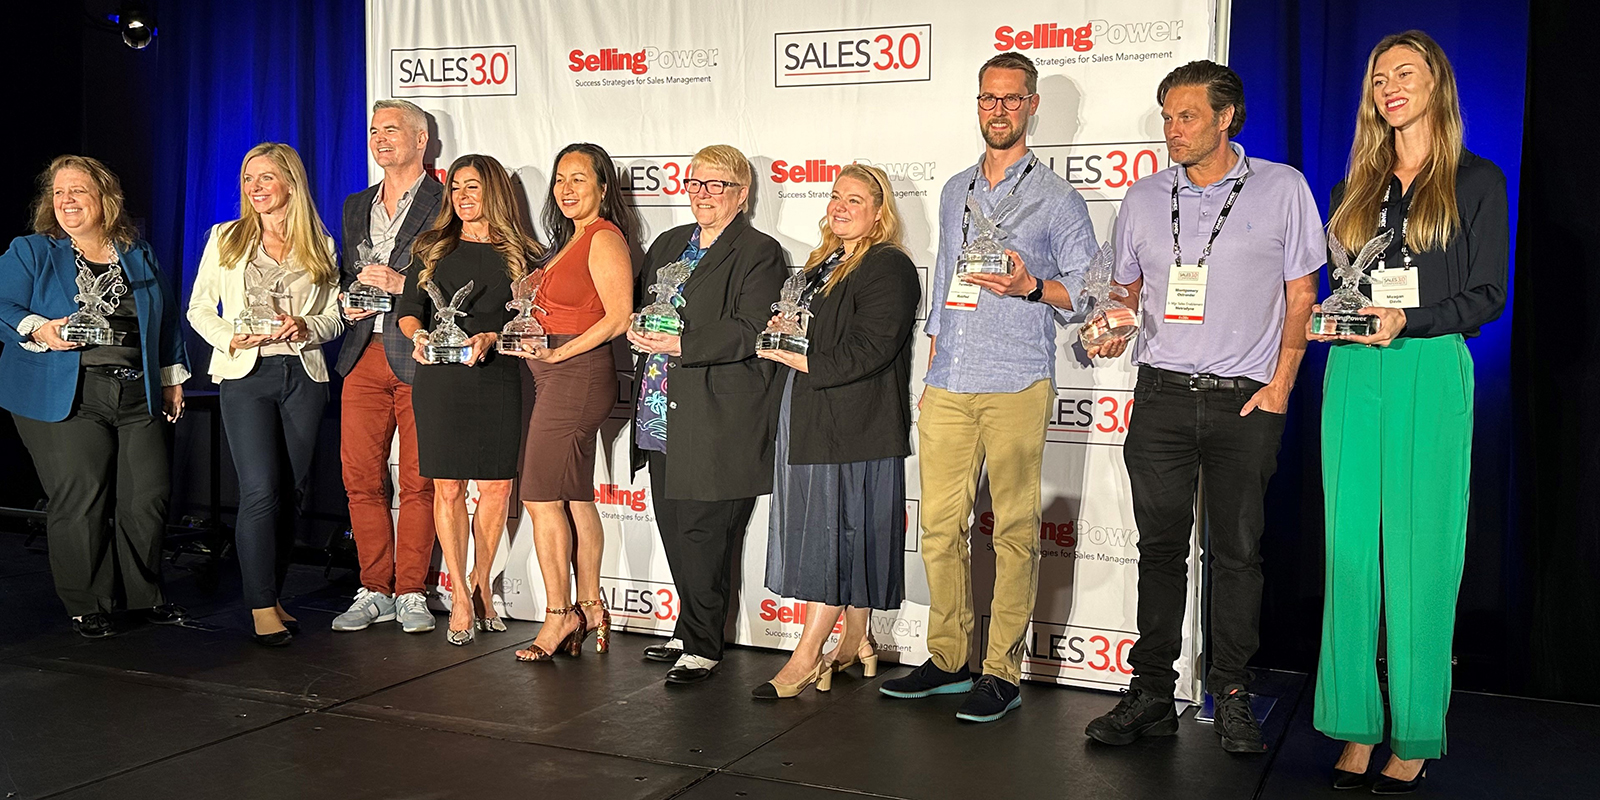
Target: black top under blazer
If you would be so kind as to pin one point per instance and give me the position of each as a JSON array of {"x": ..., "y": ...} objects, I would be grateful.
[
  {"x": 855, "y": 403},
  {"x": 357, "y": 224},
  {"x": 722, "y": 417}
]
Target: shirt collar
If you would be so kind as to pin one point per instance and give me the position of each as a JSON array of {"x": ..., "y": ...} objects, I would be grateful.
[
  {"x": 1011, "y": 172},
  {"x": 1241, "y": 168},
  {"x": 405, "y": 197}
]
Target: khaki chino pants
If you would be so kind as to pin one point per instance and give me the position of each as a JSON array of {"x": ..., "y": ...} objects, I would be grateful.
[{"x": 959, "y": 434}]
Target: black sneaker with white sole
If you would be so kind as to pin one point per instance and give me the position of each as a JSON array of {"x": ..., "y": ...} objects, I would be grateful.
[
  {"x": 928, "y": 680},
  {"x": 1138, "y": 713},
  {"x": 990, "y": 699}
]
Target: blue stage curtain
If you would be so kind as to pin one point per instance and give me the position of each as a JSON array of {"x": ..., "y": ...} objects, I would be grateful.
[
  {"x": 1303, "y": 64},
  {"x": 235, "y": 74}
]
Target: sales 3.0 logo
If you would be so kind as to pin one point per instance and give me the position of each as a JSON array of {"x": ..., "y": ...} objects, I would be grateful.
[
  {"x": 852, "y": 55},
  {"x": 483, "y": 71}
]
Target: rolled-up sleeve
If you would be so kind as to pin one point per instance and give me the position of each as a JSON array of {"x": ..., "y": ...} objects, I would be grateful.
[{"x": 1072, "y": 246}]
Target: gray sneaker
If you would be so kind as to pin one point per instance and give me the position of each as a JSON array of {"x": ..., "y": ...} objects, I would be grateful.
[
  {"x": 369, "y": 607},
  {"x": 411, "y": 610}
]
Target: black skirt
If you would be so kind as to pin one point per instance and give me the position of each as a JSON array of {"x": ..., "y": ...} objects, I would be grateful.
[{"x": 469, "y": 419}]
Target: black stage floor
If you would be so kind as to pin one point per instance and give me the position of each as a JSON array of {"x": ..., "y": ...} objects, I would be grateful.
[{"x": 204, "y": 713}]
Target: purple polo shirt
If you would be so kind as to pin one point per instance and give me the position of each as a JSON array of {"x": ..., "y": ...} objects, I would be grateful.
[{"x": 1272, "y": 236}]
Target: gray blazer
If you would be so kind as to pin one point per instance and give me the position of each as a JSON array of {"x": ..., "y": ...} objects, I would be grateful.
[{"x": 357, "y": 222}]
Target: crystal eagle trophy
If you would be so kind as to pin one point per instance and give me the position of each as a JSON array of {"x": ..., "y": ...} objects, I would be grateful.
[
  {"x": 362, "y": 296},
  {"x": 447, "y": 344},
  {"x": 97, "y": 296},
  {"x": 524, "y": 334},
  {"x": 985, "y": 254},
  {"x": 662, "y": 315},
  {"x": 1338, "y": 316},
  {"x": 1107, "y": 320},
  {"x": 788, "y": 331},
  {"x": 261, "y": 295}
]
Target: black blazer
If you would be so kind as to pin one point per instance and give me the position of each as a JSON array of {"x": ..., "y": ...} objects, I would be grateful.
[
  {"x": 357, "y": 223},
  {"x": 722, "y": 416},
  {"x": 855, "y": 403}
]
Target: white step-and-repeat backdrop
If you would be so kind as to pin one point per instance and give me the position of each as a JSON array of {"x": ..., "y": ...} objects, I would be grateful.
[{"x": 802, "y": 88}]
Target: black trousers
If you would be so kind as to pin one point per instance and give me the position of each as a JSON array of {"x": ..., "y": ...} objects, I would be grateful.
[
  {"x": 701, "y": 537},
  {"x": 1175, "y": 436},
  {"x": 109, "y": 440},
  {"x": 271, "y": 417}
]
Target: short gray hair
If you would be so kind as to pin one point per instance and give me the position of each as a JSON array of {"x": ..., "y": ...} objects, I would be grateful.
[{"x": 413, "y": 113}]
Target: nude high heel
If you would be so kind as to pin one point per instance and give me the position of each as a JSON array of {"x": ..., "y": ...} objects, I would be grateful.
[{"x": 821, "y": 675}]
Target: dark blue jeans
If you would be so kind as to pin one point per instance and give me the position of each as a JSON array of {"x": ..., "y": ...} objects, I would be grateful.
[{"x": 271, "y": 417}]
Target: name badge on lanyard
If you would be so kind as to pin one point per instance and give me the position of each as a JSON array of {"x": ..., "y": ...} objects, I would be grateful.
[
  {"x": 1186, "y": 283},
  {"x": 962, "y": 296},
  {"x": 1395, "y": 288},
  {"x": 1186, "y": 294}
]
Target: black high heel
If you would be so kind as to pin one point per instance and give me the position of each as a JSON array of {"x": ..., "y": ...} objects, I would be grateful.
[
  {"x": 1344, "y": 779},
  {"x": 1388, "y": 785}
]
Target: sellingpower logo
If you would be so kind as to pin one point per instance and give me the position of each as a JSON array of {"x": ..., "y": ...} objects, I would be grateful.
[
  {"x": 477, "y": 71},
  {"x": 852, "y": 55},
  {"x": 645, "y": 66}
]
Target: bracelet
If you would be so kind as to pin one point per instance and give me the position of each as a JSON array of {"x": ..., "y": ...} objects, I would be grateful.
[{"x": 419, "y": 334}]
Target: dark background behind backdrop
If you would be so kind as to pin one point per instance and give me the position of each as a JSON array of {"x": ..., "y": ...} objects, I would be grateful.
[{"x": 173, "y": 121}]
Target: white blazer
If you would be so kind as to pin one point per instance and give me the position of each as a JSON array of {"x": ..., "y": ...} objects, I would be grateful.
[{"x": 217, "y": 284}]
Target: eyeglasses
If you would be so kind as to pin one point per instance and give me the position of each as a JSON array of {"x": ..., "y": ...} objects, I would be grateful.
[
  {"x": 1012, "y": 102},
  {"x": 694, "y": 185}
]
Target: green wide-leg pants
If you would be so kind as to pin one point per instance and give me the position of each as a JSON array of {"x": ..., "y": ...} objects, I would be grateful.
[{"x": 1396, "y": 461}]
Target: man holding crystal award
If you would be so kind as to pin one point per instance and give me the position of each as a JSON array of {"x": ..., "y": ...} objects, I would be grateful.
[
  {"x": 1014, "y": 239},
  {"x": 380, "y": 223},
  {"x": 1220, "y": 254}
]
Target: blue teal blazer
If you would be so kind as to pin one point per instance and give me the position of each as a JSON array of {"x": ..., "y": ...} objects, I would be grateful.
[{"x": 37, "y": 276}]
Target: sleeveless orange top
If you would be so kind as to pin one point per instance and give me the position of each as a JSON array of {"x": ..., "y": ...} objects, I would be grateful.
[{"x": 571, "y": 303}]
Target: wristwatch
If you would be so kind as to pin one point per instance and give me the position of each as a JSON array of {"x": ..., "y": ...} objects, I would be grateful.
[{"x": 1037, "y": 293}]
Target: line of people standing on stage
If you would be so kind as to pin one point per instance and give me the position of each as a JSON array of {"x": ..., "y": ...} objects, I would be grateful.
[{"x": 719, "y": 423}]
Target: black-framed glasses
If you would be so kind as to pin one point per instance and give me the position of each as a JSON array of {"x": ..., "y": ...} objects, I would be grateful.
[
  {"x": 694, "y": 185},
  {"x": 1012, "y": 102}
]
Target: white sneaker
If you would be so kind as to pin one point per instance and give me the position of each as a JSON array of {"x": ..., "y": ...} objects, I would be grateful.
[
  {"x": 411, "y": 610},
  {"x": 369, "y": 607}
]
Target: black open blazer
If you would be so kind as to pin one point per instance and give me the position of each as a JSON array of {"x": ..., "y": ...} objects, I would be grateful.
[
  {"x": 357, "y": 224},
  {"x": 722, "y": 400},
  {"x": 855, "y": 403}
]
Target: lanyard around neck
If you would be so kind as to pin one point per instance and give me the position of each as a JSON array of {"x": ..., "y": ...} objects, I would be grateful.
[
  {"x": 966, "y": 213},
  {"x": 1383, "y": 224}
]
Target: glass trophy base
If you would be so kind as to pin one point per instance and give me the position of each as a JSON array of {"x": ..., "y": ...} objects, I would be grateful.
[
  {"x": 657, "y": 323},
  {"x": 447, "y": 354},
  {"x": 256, "y": 327},
  {"x": 1108, "y": 325},
  {"x": 790, "y": 342},
  {"x": 89, "y": 334},
  {"x": 1343, "y": 323},
  {"x": 522, "y": 342},
  {"x": 984, "y": 263},
  {"x": 358, "y": 301}
]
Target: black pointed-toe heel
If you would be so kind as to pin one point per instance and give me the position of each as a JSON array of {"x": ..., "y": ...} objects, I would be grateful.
[
  {"x": 1344, "y": 780},
  {"x": 1388, "y": 785}
]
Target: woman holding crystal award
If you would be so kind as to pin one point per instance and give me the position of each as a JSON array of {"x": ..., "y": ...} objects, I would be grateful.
[
  {"x": 89, "y": 377},
  {"x": 265, "y": 300},
  {"x": 1397, "y": 406},
  {"x": 584, "y": 299},
  {"x": 467, "y": 399},
  {"x": 838, "y": 522},
  {"x": 705, "y": 407}
]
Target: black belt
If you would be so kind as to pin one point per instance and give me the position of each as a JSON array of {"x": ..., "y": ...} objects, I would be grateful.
[
  {"x": 1201, "y": 381},
  {"x": 120, "y": 373}
]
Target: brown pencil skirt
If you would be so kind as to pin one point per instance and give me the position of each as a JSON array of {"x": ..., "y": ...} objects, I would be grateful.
[{"x": 571, "y": 400}]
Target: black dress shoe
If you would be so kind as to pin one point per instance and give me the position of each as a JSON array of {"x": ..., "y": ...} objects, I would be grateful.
[
  {"x": 292, "y": 626},
  {"x": 1343, "y": 779},
  {"x": 1388, "y": 785},
  {"x": 164, "y": 614},
  {"x": 663, "y": 653},
  {"x": 687, "y": 675},
  {"x": 94, "y": 626},
  {"x": 274, "y": 639}
]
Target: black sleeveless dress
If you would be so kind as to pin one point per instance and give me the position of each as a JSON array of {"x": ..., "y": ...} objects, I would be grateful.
[{"x": 469, "y": 419}]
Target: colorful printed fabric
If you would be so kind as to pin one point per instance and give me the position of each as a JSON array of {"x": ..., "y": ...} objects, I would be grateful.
[{"x": 650, "y": 411}]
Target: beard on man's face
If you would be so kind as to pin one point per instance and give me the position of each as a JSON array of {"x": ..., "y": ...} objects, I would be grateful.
[{"x": 1001, "y": 140}]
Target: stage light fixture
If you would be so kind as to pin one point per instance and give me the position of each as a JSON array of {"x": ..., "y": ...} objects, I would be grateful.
[{"x": 137, "y": 24}]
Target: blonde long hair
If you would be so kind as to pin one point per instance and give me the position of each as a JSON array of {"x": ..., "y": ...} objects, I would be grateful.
[
  {"x": 307, "y": 237},
  {"x": 1433, "y": 218},
  {"x": 886, "y": 229},
  {"x": 113, "y": 211},
  {"x": 507, "y": 234}
]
